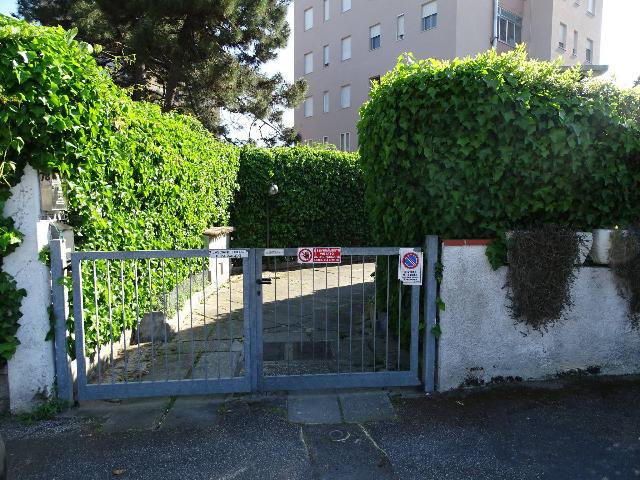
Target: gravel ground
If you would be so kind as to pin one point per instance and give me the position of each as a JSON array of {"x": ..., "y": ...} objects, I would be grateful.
[{"x": 579, "y": 428}]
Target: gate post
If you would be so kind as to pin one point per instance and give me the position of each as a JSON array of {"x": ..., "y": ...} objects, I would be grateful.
[
  {"x": 430, "y": 312},
  {"x": 59, "y": 299}
]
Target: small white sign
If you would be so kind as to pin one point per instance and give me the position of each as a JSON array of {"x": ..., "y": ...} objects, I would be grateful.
[
  {"x": 410, "y": 267},
  {"x": 274, "y": 252},
  {"x": 228, "y": 253}
]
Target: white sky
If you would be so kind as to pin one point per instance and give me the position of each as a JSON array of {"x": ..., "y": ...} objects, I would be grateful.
[{"x": 620, "y": 46}]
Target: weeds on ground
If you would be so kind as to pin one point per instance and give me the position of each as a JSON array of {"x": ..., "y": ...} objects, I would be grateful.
[{"x": 47, "y": 410}]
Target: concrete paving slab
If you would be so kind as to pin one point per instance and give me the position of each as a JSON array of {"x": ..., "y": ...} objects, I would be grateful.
[
  {"x": 193, "y": 413},
  {"x": 126, "y": 416},
  {"x": 313, "y": 409},
  {"x": 365, "y": 407}
]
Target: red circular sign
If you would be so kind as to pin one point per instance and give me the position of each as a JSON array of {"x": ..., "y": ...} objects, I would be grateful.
[
  {"x": 305, "y": 255},
  {"x": 411, "y": 261}
]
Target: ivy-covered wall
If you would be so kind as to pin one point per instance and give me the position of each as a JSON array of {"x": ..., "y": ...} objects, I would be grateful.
[
  {"x": 471, "y": 148},
  {"x": 320, "y": 199},
  {"x": 135, "y": 178}
]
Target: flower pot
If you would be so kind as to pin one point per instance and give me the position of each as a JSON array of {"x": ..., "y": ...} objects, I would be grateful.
[{"x": 601, "y": 246}]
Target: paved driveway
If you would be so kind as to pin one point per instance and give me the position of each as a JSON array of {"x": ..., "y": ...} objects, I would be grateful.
[{"x": 585, "y": 428}]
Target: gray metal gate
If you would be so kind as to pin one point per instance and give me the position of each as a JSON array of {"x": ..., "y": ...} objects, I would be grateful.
[{"x": 220, "y": 321}]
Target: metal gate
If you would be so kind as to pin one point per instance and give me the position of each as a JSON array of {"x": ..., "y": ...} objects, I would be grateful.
[{"x": 221, "y": 321}]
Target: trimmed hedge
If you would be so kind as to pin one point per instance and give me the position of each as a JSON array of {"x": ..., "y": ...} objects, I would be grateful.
[
  {"x": 320, "y": 199},
  {"x": 135, "y": 178},
  {"x": 471, "y": 148}
]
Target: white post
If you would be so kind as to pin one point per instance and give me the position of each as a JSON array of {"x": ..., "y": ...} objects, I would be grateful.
[{"x": 31, "y": 371}]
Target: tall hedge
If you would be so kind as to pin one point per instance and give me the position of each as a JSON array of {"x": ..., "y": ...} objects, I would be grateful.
[
  {"x": 470, "y": 148},
  {"x": 135, "y": 178},
  {"x": 320, "y": 199}
]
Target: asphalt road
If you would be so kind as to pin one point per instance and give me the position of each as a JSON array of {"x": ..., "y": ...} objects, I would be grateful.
[{"x": 579, "y": 429}]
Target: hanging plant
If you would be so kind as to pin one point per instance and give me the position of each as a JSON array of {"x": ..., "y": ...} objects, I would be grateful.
[
  {"x": 624, "y": 258},
  {"x": 540, "y": 274}
]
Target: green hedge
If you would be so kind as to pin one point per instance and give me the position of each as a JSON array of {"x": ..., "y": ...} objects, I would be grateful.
[
  {"x": 320, "y": 199},
  {"x": 470, "y": 148},
  {"x": 135, "y": 178}
]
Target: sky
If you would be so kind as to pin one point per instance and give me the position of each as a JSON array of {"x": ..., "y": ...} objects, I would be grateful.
[{"x": 619, "y": 48}]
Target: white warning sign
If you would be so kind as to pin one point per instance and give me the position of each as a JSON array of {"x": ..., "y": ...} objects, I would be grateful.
[{"x": 410, "y": 268}]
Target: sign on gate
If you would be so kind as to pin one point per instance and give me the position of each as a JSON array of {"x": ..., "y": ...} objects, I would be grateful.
[
  {"x": 228, "y": 253},
  {"x": 320, "y": 255},
  {"x": 410, "y": 268}
]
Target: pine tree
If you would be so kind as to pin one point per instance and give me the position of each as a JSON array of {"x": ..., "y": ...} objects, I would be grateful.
[{"x": 193, "y": 56}]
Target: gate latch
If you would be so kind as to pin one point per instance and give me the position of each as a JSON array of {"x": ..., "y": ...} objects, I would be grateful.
[{"x": 264, "y": 281}]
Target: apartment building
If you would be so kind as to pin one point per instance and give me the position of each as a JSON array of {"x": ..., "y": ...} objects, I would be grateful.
[{"x": 342, "y": 45}]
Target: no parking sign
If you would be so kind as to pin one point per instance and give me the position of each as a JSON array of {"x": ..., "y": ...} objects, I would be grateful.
[{"x": 410, "y": 268}]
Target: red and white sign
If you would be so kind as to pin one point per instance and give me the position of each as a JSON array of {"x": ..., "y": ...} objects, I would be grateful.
[
  {"x": 410, "y": 267},
  {"x": 320, "y": 255}
]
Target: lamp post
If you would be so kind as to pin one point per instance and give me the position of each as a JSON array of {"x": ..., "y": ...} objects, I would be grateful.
[{"x": 272, "y": 192}]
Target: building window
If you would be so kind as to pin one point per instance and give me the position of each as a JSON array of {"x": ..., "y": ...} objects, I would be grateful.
[
  {"x": 429, "y": 15},
  {"x": 373, "y": 81},
  {"x": 374, "y": 37},
  {"x": 345, "y": 141},
  {"x": 308, "y": 19},
  {"x": 509, "y": 27},
  {"x": 346, "y": 5},
  {"x": 400, "y": 27},
  {"x": 562, "y": 43},
  {"x": 591, "y": 7},
  {"x": 327, "y": 10},
  {"x": 308, "y": 63},
  {"x": 325, "y": 102},
  {"x": 345, "y": 96},
  {"x": 589, "y": 56},
  {"x": 308, "y": 107},
  {"x": 575, "y": 44},
  {"x": 325, "y": 55},
  {"x": 346, "y": 48}
]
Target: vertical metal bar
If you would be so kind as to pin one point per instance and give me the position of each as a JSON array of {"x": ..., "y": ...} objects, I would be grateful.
[
  {"x": 258, "y": 314},
  {"x": 250, "y": 300},
  {"x": 218, "y": 336},
  {"x": 351, "y": 314},
  {"x": 415, "y": 329},
  {"x": 135, "y": 286},
  {"x": 193, "y": 354},
  {"x": 78, "y": 311},
  {"x": 204, "y": 319},
  {"x": 386, "y": 347},
  {"x": 230, "y": 327},
  {"x": 288, "y": 353},
  {"x": 301, "y": 311},
  {"x": 275, "y": 294},
  {"x": 338, "y": 333},
  {"x": 153, "y": 340},
  {"x": 375, "y": 307},
  {"x": 95, "y": 304},
  {"x": 326, "y": 314},
  {"x": 178, "y": 338},
  {"x": 59, "y": 297},
  {"x": 430, "y": 312},
  {"x": 110, "y": 321},
  {"x": 124, "y": 324},
  {"x": 364, "y": 301},
  {"x": 399, "y": 319},
  {"x": 166, "y": 315},
  {"x": 313, "y": 311}
]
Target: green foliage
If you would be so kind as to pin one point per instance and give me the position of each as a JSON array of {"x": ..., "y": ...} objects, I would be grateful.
[
  {"x": 46, "y": 410},
  {"x": 320, "y": 199},
  {"x": 10, "y": 301},
  {"x": 497, "y": 251},
  {"x": 204, "y": 55},
  {"x": 135, "y": 178},
  {"x": 472, "y": 148}
]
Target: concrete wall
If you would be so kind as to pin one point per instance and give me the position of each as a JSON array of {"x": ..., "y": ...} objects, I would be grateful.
[
  {"x": 31, "y": 371},
  {"x": 480, "y": 341}
]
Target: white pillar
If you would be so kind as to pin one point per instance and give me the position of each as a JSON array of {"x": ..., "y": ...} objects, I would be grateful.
[{"x": 31, "y": 371}]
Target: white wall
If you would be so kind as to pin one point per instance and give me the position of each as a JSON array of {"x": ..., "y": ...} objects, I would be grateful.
[
  {"x": 32, "y": 368},
  {"x": 481, "y": 341}
]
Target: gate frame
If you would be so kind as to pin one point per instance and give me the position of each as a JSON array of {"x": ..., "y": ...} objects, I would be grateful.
[
  {"x": 407, "y": 378},
  {"x": 156, "y": 388}
]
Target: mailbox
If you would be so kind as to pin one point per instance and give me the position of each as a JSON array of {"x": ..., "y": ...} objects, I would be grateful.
[{"x": 51, "y": 195}]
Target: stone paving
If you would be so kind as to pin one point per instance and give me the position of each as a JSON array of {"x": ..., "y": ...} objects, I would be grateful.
[{"x": 315, "y": 320}]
